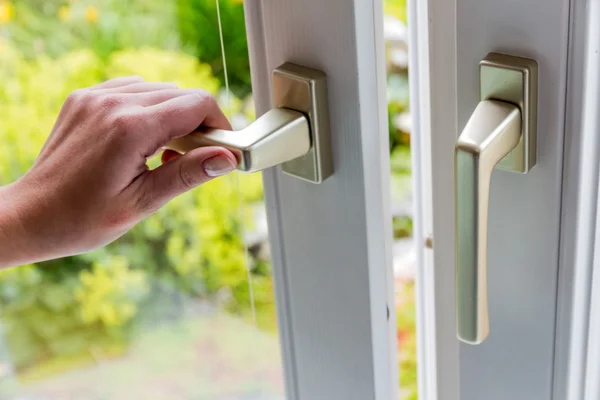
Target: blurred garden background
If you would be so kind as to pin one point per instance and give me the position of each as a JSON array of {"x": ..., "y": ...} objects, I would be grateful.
[{"x": 164, "y": 312}]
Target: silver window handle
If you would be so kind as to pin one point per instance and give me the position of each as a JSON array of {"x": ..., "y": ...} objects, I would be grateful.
[
  {"x": 278, "y": 136},
  {"x": 501, "y": 132},
  {"x": 492, "y": 132},
  {"x": 294, "y": 133}
]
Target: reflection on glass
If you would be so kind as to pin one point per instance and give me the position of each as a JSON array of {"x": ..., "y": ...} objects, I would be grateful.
[{"x": 165, "y": 311}]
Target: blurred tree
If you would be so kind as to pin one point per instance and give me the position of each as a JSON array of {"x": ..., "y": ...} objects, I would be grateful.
[
  {"x": 199, "y": 27},
  {"x": 40, "y": 27},
  {"x": 52, "y": 28}
]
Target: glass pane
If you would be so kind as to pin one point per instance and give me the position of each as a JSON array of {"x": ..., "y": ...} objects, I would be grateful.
[
  {"x": 396, "y": 36},
  {"x": 177, "y": 308}
]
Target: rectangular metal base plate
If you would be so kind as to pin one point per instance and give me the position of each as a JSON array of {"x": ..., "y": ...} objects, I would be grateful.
[
  {"x": 305, "y": 90},
  {"x": 514, "y": 80}
]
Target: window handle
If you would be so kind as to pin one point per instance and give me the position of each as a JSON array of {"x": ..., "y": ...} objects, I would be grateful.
[
  {"x": 492, "y": 132},
  {"x": 278, "y": 136},
  {"x": 500, "y": 133},
  {"x": 293, "y": 134}
]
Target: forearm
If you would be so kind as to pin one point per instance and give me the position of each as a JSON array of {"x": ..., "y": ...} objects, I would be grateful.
[{"x": 14, "y": 244}]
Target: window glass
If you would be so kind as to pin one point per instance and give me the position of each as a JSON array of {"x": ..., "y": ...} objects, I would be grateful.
[
  {"x": 396, "y": 39},
  {"x": 182, "y": 307}
]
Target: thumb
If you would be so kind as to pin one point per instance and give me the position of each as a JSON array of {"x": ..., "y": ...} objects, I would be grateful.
[{"x": 187, "y": 171}]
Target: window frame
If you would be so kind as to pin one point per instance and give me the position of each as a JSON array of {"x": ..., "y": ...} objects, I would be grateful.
[
  {"x": 433, "y": 64},
  {"x": 334, "y": 290},
  {"x": 578, "y": 319},
  {"x": 577, "y": 322}
]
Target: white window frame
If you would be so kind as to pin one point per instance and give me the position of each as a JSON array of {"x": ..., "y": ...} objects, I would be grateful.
[
  {"x": 331, "y": 243},
  {"x": 420, "y": 53},
  {"x": 576, "y": 371}
]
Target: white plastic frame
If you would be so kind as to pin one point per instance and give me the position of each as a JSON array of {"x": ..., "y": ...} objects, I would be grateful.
[{"x": 331, "y": 243}]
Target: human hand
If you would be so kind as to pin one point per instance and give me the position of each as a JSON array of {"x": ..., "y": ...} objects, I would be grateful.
[{"x": 90, "y": 183}]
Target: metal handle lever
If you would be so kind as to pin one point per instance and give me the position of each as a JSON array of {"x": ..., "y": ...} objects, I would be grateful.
[
  {"x": 278, "y": 136},
  {"x": 492, "y": 132},
  {"x": 501, "y": 134}
]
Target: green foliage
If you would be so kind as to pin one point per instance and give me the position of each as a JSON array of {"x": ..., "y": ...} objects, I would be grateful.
[
  {"x": 43, "y": 318},
  {"x": 60, "y": 26},
  {"x": 400, "y": 161},
  {"x": 198, "y": 24},
  {"x": 162, "y": 66},
  {"x": 407, "y": 340},
  {"x": 402, "y": 227},
  {"x": 108, "y": 293},
  {"x": 397, "y": 8},
  {"x": 41, "y": 27},
  {"x": 398, "y": 102},
  {"x": 193, "y": 245}
]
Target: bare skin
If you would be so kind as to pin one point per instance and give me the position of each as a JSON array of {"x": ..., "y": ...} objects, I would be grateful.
[{"x": 90, "y": 183}]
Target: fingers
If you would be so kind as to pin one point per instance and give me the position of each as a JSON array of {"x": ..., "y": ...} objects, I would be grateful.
[
  {"x": 181, "y": 115},
  {"x": 166, "y": 112},
  {"x": 117, "y": 82},
  {"x": 184, "y": 172},
  {"x": 152, "y": 98},
  {"x": 139, "y": 87}
]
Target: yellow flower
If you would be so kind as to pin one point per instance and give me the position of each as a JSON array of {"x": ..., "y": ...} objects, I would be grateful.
[
  {"x": 7, "y": 11},
  {"x": 64, "y": 13},
  {"x": 91, "y": 14}
]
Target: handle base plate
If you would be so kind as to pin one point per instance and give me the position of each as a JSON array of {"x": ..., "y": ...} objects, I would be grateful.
[
  {"x": 305, "y": 90},
  {"x": 514, "y": 80}
]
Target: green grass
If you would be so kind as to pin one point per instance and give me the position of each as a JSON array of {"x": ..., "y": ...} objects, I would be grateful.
[
  {"x": 58, "y": 365},
  {"x": 213, "y": 355}
]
